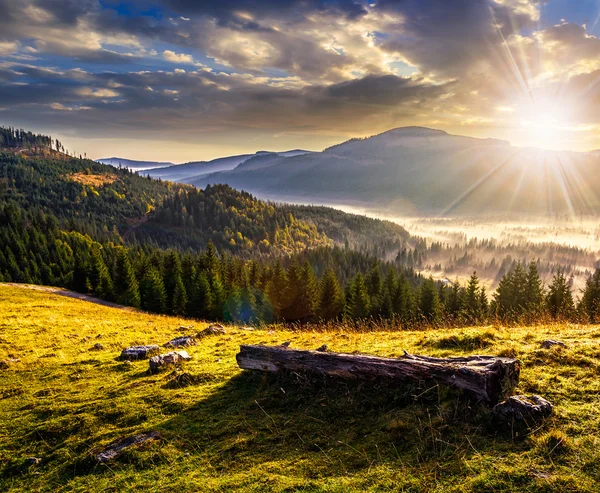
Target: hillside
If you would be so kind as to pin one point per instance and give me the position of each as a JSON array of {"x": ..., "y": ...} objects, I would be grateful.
[
  {"x": 420, "y": 171},
  {"x": 230, "y": 430},
  {"x": 111, "y": 203}
]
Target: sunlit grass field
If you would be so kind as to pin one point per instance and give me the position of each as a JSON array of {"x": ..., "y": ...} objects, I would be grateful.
[{"x": 237, "y": 431}]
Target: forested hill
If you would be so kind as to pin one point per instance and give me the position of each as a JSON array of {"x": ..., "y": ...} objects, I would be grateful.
[{"x": 111, "y": 204}]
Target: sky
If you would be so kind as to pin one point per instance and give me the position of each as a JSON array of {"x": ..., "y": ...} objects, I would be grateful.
[{"x": 182, "y": 80}]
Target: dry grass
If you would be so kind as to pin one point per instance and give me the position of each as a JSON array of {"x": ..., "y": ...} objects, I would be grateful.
[
  {"x": 228, "y": 430},
  {"x": 93, "y": 180}
]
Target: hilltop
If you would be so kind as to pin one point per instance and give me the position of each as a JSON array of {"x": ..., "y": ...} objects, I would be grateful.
[
  {"x": 420, "y": 171},
  {"x": 233, "y": 430}
]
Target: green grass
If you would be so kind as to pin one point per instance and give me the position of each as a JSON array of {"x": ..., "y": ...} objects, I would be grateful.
[{"x": 239, "y": 431}]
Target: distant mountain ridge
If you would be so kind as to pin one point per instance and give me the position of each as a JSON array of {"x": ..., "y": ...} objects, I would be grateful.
[
  {"x": 132, "y": 164},
  {"x": 194, "y": 169},
  {"x": 423, "y": 171}
]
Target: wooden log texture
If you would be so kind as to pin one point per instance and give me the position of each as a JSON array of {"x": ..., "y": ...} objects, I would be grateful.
[{"x": 487, "y": 377}]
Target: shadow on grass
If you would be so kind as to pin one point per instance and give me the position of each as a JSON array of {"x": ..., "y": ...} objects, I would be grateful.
[
  {"x": 338, "y": 427},
  {"x": 312, "y": 427}
]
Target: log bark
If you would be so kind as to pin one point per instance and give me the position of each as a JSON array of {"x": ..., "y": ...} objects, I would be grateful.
[{"x": 489, "y": 378}]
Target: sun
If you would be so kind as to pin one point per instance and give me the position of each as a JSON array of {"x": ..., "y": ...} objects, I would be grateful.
[{"x": 543, "y": 124}]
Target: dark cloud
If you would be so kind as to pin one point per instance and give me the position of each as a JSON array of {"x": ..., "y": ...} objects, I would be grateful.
[{"x": 450, "y": 37}]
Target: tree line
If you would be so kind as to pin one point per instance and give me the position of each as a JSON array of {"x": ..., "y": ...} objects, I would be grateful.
[{"x": 323, "y": 284}]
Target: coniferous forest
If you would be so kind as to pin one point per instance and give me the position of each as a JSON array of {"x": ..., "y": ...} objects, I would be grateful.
[{"x": 220, "y": 254}]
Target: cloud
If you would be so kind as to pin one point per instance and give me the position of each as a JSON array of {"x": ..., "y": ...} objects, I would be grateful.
[
  {"x": 173, "y": 57},
  {"x": 8, "y": 47}
]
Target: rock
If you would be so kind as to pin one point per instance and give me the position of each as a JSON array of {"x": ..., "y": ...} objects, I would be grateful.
[
  {"x": 6, "y": 363},
  {"x": 97, "y": 347},
  {"x": 285, "y": 344},
  {"x": 115, "y": 449},
  {"x": 523, "y": 408},
  {"x": 549, "y": 343},
  {"x": 322, "y": 349},
  {"x": 183, "y": 341},
  {"x": 212, "y": 330},
  {"x": 246, "y": 328},
  {"x": 139, "y": 352},
  {"x": 168, "y": 359},
  {"x": 33, "y": 461},
  {"x": 185, "y": 328}
]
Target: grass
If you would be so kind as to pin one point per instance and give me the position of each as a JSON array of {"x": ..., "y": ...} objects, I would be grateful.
[{"x": 229, "y": 430}]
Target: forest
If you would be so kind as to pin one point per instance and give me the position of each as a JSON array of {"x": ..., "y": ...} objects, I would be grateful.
[{"x": 221, "y": 254}]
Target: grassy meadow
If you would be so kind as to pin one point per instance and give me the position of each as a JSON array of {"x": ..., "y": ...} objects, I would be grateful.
[{"x": 232, "y": 430}]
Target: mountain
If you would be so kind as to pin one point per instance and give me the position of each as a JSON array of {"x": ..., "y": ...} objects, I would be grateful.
[
  {"x": 131, "y": 164},
  {"x": 195, "y": 170},
  {"x": 421, "y": 171}
]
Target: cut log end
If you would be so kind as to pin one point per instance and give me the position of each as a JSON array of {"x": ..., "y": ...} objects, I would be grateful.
[{"x": 488, "y": 378}]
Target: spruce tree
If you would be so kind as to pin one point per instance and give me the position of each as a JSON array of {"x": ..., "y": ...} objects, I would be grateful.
[
  {"x": 455, "y": 305},
  {"x": 357, "y": 304},
  {"x": 277, "y": 289},
  {"x": 179, "y": 301},
  {"x": 152, "y": 291},
  {"x": 332, "y": 297},
  {"x": 202, "y": 301},
  {"x": 289, "y": 310},
  {"x": 125, "y": 284},
  {"x": 472, "y": 308},
  {"x": 590, "y": 300},
  {"x": 429, "y": 302},
  {"x": 559, "y": 300},
  {"x": 535, "y": 291}
]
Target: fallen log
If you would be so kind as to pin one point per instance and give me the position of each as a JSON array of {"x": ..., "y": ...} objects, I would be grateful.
[{"x": 489, "y": 378}]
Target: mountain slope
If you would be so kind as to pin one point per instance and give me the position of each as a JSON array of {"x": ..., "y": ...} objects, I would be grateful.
[
  {"x": 415, "y": 170},
  {"x": 132, "y": 164},
  {"x": 113, "y": 204},
  {"x": 187, "y": 172}
]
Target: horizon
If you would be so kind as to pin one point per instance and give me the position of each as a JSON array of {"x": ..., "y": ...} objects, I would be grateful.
[{"x": 171, "y": 80}]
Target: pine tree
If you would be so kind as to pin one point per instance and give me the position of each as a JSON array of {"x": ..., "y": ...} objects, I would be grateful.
[
  {"x": 472, "y": 308},
  {"x": 429, "y": 302},
  {"x": 219, "y": 298},
  {"x": 202, "y": 302},
  {"x": 535, "y": 291},
  {"x": 247, "y": 311},
  {"x": 277, "y": 289},
  {"x": 289, "y": 309},
  {"x": 308, "y": 295},
  {"x": 152, "y": 291},
  {"x": 357, "y": 302},
  {"x": 332, "y": 297},
  {"x": 232, "y": 306},
  {"x": 559, "y": 300},
  {"x": 455, "y": 304},
  {"x": 125, "y": 284},
  {"x": 590, "y": 300},
  {"x": 100, "y": 280},
  {"x": 179, "y": 301}
]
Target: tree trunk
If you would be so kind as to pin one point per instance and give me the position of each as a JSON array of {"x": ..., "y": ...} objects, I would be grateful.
[{"x": 487, "y": 377}]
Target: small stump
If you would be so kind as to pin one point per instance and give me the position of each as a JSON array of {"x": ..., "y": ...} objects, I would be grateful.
[{"x": 523, "y": 408}]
